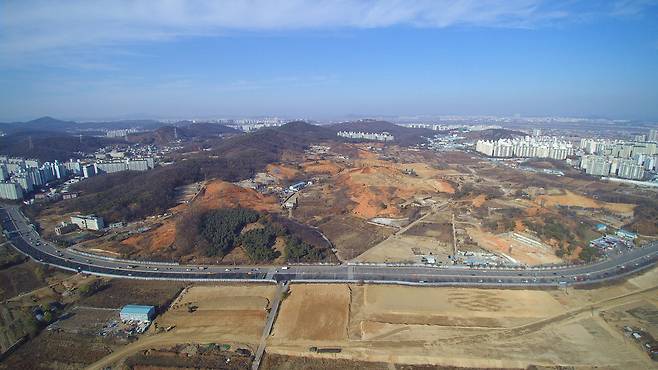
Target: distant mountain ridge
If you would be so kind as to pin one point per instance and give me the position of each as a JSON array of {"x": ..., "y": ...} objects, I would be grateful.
[
  {"x": 49, "y": 145},
  {"x": 494, "y": 134},
  {"x": 52, "y": 124},
  {"x": 166, "y": 134}
]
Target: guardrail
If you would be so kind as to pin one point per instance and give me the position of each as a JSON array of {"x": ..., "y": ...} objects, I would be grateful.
[
  {"x": 617, "y": 275},
  {"x": 113, "y": 259}
]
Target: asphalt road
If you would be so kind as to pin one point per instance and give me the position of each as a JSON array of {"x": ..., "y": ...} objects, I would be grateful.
[{"x": 27, "y": 240}]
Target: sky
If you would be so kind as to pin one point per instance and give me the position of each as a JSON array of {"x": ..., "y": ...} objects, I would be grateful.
[{"x": 318, "y": 59}]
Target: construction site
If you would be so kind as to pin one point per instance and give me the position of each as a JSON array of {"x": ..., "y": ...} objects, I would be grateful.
[{"x": 345, "y": 325}]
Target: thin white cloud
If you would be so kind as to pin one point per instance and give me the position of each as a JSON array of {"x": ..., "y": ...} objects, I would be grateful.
[
  {"x": 631, "y": 8},
  {"x": 35, "y": 26},
  {"x": 32, "y": 30}
]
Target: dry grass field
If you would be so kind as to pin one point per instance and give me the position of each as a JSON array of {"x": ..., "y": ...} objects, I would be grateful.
[{"x": 477, "y": 328}]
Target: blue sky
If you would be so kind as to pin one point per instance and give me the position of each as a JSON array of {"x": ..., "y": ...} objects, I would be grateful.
[{"x": 328, "y": 59}]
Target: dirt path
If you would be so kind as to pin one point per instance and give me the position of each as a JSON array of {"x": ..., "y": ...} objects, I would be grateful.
[
  {"x": 538, "y": 325},
  {"x": 141, "y": 344},
  {"x": 282, "y": 288}
]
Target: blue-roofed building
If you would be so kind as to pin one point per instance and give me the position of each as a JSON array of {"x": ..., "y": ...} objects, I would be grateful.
[
  {"x": 601, "y": 227},
  {"x": 136, "y": 312}
]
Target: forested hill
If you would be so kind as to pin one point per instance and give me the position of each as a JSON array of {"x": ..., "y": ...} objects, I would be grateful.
[
  {"x": 166, "y": 134},
  {"x": 48, "y": 146},
  {"x": 56, "y": 125},
  {"x": 127, "y": 196}
]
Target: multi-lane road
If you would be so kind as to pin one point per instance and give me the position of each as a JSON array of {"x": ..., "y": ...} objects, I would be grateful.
[{"x": 24, "y": 238}]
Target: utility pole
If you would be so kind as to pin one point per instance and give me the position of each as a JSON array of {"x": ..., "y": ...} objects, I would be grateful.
[{"x": 454, "y": 239}]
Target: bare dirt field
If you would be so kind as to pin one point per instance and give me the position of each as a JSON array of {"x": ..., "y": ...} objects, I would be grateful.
[
  {"x": 230, "y": 311},
  {"x": 456, "y": 306},
  {"x": 221, "y": 194},
  {"x": 313, "y": 312},
  {"x": 406, "y": 248},
  {"x": 476, "y": 328},
  {"x": 377, "y": 189},
  {"x": 523, "y": 253},
  {"x": 283, "y": 172},
  {"x": 568, "y": 198},
  {"x": 429, "y": 234}
]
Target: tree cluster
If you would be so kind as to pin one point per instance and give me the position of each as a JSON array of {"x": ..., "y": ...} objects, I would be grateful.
[
  {"x": 222, "y": 227},
  {"x": 589, "y": 254},
  {"x": 258, "y": 244},
  {"x": 298, "y": 250}
]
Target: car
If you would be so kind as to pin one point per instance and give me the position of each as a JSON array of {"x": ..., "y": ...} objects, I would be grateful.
[
  {"x": 227, "y": 270},
  {"x": 499, "y": 281},
  {"x": 284, "y": 268}
]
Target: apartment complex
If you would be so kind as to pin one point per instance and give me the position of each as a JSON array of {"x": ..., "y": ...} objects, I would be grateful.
[
  {"x": 374, "y": 136},
  {"x": 528, "y": 147},
  {"x": 625, "y": 159},
  {"x": 26, "y": 175}
]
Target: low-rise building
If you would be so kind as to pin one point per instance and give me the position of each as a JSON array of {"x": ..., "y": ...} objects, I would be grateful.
[
  {"x": 88, "y": 222},
  {"x": 298, "y": 186},
  {"x": 626, "y": 234},
  {"x": 69, "y": 195},
  {"x": 134, "y": 312},
  {"x": 65, "y": 228}
]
